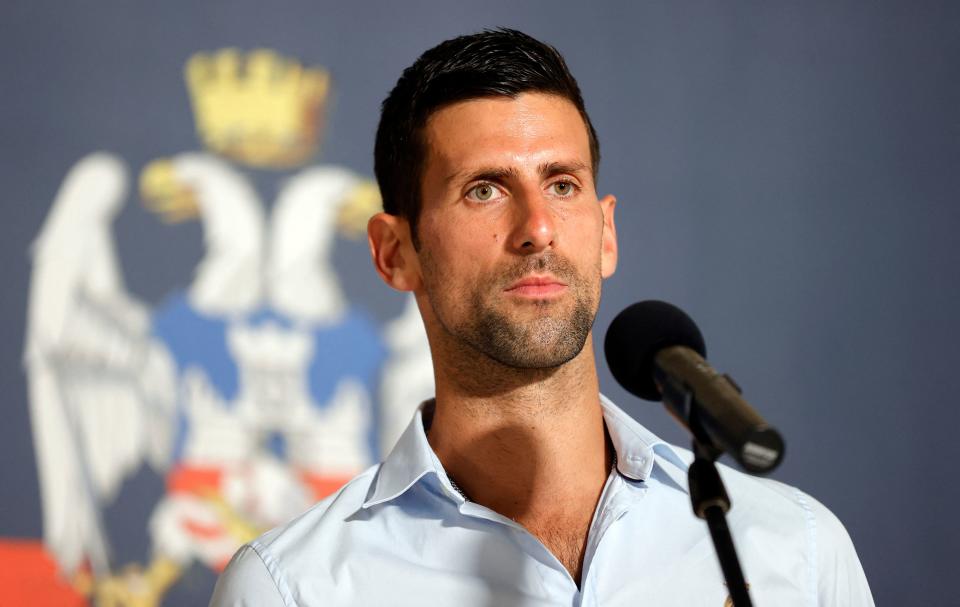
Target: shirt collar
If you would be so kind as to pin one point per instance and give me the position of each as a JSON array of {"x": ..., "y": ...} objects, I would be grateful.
[
  {"x": 638, "y": 449},
  {"x": 412, "y": 458}
]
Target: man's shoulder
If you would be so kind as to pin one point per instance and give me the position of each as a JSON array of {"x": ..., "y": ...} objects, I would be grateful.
[
  {"x": 783, "y": 507},
  {"x": 777, "y": 501},
  {"x": 260, "y": 571},
  {"x": 773, "y": 516},
  {"x": 312, "y": 528},
  {"x": 779, "y": 527}
]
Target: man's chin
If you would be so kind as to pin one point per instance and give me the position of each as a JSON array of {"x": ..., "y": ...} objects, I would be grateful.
[
  {"x": 536, "y": 358},
  {"x": 538, "y": 342}
]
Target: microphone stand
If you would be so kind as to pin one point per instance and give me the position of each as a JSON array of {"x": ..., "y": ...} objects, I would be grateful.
[{"x": 711, "y": 503}]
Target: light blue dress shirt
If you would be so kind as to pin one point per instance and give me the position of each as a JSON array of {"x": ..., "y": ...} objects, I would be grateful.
[{"x": 401, "y": 534}]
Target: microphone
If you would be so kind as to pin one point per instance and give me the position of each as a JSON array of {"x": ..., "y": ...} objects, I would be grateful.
[{"x": 655, "y": 351}]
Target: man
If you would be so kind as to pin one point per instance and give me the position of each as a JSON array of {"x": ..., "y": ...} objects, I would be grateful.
[{"x": 519, "y": 484}]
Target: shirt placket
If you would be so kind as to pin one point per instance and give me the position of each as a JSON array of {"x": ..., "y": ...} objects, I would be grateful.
[
  {"x": 556, "y": 582},
  {"x": 614, "y": 504}
]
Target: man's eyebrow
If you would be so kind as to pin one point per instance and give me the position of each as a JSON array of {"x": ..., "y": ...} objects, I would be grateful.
[
  {"x": 555, "y": 168},
  {"x": 499, "y": 174},
  {"x": 495, "y": 174}
]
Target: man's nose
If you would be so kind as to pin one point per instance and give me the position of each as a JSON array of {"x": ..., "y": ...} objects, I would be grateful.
[{"x": 534, "y": 223}]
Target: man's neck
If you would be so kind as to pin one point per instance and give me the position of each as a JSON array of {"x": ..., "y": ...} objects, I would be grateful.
[{"x": 528, "y": 444}]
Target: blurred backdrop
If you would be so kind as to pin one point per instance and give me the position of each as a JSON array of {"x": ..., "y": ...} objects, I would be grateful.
[{"x": 195, "y": 346}]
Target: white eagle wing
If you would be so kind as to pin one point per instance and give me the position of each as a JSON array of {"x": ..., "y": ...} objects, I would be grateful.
[
  {"x": 302, "y": 281},
  {"x": 101, "y": 389},
  {"x": 228, "y": 278}
]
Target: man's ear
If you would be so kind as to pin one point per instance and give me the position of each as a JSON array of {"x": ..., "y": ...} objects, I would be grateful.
[
  {"x": 608, "y": 243},
  {"x": 391, "y": 249}
]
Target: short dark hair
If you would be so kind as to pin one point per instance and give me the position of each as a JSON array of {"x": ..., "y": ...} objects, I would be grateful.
[{"x": 492, "y": 63}]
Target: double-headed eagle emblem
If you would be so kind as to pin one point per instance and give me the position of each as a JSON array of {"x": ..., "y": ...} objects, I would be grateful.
[{"x": 253, "y": 391}]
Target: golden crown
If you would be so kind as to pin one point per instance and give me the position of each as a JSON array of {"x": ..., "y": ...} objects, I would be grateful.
[{"x": 260, "y": 109}]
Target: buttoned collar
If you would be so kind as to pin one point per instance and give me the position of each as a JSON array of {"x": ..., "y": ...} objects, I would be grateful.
[{"x": 412, "y": 458}]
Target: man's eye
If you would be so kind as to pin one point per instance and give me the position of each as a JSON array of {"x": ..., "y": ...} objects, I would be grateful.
[
  {"x": 563, "y": 188},
  {"x": 483, "y": 192}
]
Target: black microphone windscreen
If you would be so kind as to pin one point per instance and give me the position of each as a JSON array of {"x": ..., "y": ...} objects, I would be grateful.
[{"x": 637, "y": 334}]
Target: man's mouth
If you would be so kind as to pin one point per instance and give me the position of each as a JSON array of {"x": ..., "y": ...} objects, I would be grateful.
[{"x": 537, "y": 287}]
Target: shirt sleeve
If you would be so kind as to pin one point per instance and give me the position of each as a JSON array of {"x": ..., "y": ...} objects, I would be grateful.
[
  {"x": 246, "y": 582},
  {"x": 841, "y": 581}
]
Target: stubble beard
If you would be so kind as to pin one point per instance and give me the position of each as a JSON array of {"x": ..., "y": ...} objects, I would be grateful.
[{"x": 554, "y": 336}]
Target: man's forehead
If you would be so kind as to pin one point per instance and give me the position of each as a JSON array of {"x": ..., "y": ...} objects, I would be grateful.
[{"x": 492, "y": 134}]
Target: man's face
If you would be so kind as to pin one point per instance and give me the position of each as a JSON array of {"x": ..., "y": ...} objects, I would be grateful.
[{"x": 513, "y": 241}]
